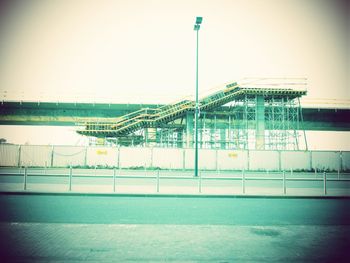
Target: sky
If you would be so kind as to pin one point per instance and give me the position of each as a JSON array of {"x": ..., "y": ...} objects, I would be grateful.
[
  {"x": 126, "y": 51},
  {"x": 144, "y": 51}
]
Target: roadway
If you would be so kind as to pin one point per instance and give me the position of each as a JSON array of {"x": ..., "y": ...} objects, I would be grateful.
[
  {"x": 91, "y": 223},
  {"x": 66, "y": 228}
]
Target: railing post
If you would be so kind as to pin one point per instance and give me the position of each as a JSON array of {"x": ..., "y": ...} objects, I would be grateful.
[
  {"x": 243, "y": 181},
  {"x": 114, "y": 179},
  {"x": 315, "y": 172},
  {"x": 291, "y": 171},
  {"x": 25, "y": 178},
  {"x": 284, "y": 182},
  {"x": 70, "y": 178},
  {"x": 200, "y": 183},
  {"x": 338, "y": 173},
  {"x": 324, "y": 183},
  {"x": 157, "y": 181}
]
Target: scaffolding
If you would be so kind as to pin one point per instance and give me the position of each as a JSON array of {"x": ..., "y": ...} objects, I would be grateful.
[{"x": 263, "y": 118}]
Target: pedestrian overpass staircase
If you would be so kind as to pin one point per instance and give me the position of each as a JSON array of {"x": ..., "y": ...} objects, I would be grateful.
[{"x": 158, "y": 117}]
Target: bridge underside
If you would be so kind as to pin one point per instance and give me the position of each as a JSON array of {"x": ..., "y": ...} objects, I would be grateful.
[{"x": 68, "y": 114}]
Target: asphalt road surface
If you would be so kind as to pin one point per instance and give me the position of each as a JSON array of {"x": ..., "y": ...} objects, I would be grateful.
[
  {"x": 173, "y": 210},
  {"x": 47, "y": 223},
  {"x": 97, "y": 228}
]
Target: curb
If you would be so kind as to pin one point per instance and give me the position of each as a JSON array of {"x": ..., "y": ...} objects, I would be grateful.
[{"x": 172, "y": 195}]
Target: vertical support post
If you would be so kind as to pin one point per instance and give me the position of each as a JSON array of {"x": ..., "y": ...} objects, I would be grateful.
[
  {"x": 243, "y": 181},
  {"x": 196, "y": 116},
  {"x": 85, "y": 156},
  {"x": 200, "y": 183},
  {"x": 52, "y": 156},
  {"x": 340, "y": 163},
  {"x": 223, "y": 141},
  {"x": 25, "y": 178},
  {"x": 291, "y": 171},
  {"x": 118, "y": 161},
  {"x": 324, "y": 183},
  {"x": 19, "y": 156},
  {"x": 151, "y": 164},
  {"x": 146, "y": 137},
  {"x": 70, "y": 178},
  {"x": 229, "y": 131},
  {"x": 114, "y": 172},
  {"x": 260, "y": 123},
  {"x": 284, "y": 182},
  {"x": 157, "y": 181},
  {"x": 315, "y": 172}
]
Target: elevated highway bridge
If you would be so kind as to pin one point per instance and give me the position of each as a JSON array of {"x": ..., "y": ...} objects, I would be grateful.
[
  {"x": 242, "y": 114},
  {"x": 321, "y": 117}
]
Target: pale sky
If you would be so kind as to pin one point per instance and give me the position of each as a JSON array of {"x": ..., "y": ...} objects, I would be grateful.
[
  {"x": 144, "y": 51},
  {"x": 126, "y": 51}
]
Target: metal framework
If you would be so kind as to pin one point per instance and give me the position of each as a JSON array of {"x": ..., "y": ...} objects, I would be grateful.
[{"x": 265, "y": 118}]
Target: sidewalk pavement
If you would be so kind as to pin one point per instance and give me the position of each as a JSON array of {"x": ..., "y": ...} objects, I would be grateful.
[{"x": 195, "y": 189}]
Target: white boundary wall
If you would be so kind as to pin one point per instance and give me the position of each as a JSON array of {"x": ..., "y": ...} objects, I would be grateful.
[
  {"x": 63, "y": 156},
  {"x": 206, "y": 159},
  {"x": 232, "y": 160},
  {"x": 102, "y": 156},
  {"x": 168, "y": 158},
  {"x": 35, "y": 155},
  {"x": 323, "y": 160},
  {"x": 9, "y": 155},
  {"x": 135, "y": 157},
  {"x": 296, "y": 160},
  {"x": 171, "y": 158},
  {"x": 345, "y": 161},
  {"x": 264, "y": 160}
]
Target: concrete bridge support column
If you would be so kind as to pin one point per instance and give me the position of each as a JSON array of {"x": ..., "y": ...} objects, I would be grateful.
[{"x": 260, "y": 123}]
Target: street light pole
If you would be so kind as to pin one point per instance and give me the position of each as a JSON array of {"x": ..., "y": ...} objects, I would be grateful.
[{"x": 196, "y": 28}]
